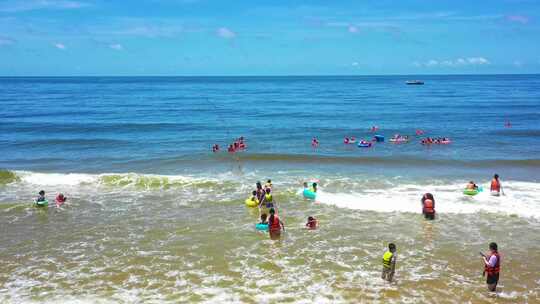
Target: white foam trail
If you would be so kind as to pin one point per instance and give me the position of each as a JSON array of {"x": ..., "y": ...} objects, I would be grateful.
[{"x": 522, "y": 198}]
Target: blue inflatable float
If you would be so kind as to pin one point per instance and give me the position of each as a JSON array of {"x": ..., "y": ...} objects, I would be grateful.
[
  {"x": 261, "y": 227},
  {"x": 308, "y": 193},
  {"x": 378, "y": 138}
]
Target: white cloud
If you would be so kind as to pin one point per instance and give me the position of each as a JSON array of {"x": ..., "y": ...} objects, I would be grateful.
[
  {"x": 355, "y": 64},
  {"x": 459, "y": 62},
  {"x": 353, "y": 29},
  {"x": 116, "y": 46},
  {"x": 60, "y": 46},
  {"x": 518, "y": 18},
  {"x": 477, "y": 60},
  {"x": 518, "y": 64},
  {"x": 14, "y": 6},
  {"x": 432, "y": 62},
  {"x": 226, "y": 33}
]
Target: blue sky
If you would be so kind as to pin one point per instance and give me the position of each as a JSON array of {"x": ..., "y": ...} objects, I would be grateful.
[{"x": 202, "y": 37}]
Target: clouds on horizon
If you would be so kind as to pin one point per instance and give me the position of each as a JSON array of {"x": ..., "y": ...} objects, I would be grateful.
[
  {"x": 15, "y": 6},
  {"x": 225, "y": 33},
  {"x": 454, "y": 63},
  {"x": 60, "y": 46}
]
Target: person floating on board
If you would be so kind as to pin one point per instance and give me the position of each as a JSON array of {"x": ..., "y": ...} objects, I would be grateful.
[
  {"x": 492, "y": 266},
  {"x": 275, "y": 225},
  {"x": 311, "y": 223},
  {"x": 389, "y": 263},
  {"x": 254, "y": 197},
  {"x": 471, "y": 186},
  {"x": 41, "y": 197},
  {"x": 495, "y": 187},
  {"x": 428, "y": 206},
  {"x": 41, "y": 201},
  {"x": 60, "y": 200}
]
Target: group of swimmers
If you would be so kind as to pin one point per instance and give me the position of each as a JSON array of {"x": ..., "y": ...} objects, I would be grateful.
[
  {"x": 438, "y": 140},
  {"x": 492, "y": 261},
  {"x": 237, "y": 145},
  {"x": 268, "y": 210},
  {"x": 41, "y": 200}
]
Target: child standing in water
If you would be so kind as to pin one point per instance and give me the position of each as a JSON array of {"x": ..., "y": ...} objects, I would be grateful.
[{"x": 389, "y": 263}]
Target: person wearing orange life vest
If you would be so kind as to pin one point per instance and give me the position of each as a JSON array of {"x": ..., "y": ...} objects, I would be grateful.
[
  {"x": 275, "y": 225},
  {"x": 492, "y": 266},
  {"x": 428, "y": 206},
  {"x": 495, "y": 187}
]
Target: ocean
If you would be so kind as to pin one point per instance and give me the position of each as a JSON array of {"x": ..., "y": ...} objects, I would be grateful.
[{"x": 155, "y": 216}]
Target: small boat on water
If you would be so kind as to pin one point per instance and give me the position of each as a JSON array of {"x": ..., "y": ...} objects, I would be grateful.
[{"x": 414, "y": 82}]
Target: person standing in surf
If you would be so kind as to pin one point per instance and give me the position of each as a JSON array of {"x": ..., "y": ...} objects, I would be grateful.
[
  {"x": 389, "y": 263},
  {"x": 275, "y": 225},
  {"x": 428, "y": 206},
  {"x": 492, "y": 266},
  {"x": 495, "y": 187}
]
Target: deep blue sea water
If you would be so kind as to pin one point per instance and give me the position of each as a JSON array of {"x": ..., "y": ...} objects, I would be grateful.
[
  {"x": 153, "y": 216},
  {"x": 166, "y": 125}
]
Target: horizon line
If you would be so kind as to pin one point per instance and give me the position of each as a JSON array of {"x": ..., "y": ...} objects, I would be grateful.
[{"x": 284, "y": 75}]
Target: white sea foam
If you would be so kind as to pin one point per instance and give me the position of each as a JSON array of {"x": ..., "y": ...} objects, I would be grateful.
[
  {"x": 522, "y": 198},
  {"x": 50, "y": 179}
]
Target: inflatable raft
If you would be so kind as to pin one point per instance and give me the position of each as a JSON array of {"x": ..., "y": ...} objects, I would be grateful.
[
  {"x": 251, "y": 203},
  {"x": 364, "y": 145},
  {"x": 472, "y": 192},
  {"x": 44, "y": 203},
  {"x": 261, "y": 227},
  {"x": 308, "y": 193}
]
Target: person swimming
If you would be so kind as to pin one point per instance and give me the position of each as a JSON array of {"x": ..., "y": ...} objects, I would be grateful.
[
  {"x": 60, "y": 200},
  {"x": 41, "y": 196},
  {"x": 264, "y": 219},
  {"x": 311, "y": 223},
  {"x": 471, "y": 186},
  {"x": 314, "y": 142}
]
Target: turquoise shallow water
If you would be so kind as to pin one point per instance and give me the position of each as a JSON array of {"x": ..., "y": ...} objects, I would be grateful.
[{"x": 154, "y": 216}]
